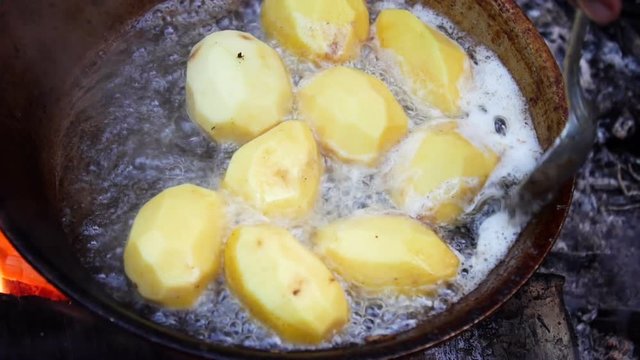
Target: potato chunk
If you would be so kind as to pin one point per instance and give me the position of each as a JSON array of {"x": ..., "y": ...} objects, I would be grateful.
[
  {"x": 174, "y": 246},
  {"x": 331, "y": 30},
  {"x": 354, "y": 115},
  {"x": 278, "y": 172},
  {"x": 237, "y": 86},
  {"x": 439, "y": 172},
  {"x": 432, "y": 63},
  {"x": 283, "y": 284},
  {"x": 386, "y": 252}
]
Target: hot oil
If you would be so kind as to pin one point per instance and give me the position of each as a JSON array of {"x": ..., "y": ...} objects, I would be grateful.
[{"x": 129, "y": 137}]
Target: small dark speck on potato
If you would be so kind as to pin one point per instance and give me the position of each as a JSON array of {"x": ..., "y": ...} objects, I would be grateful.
[
  {"x": 213, "y": 128},
  {"x": 245, "y": 36},
  {"x": 296, "y": 292},
  {"x": 240, "y": 56}
]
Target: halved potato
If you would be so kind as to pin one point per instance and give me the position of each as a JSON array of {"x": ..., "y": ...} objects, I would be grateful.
[
  {"x": 278, "y": 172},
  {"x": 442, "y": 175},
  {"x": 173, "y": 250},
  {"x": 354, "y": 115},
  {"x": 434, "y": 64},
  {"x": 386, "y": 252},
  {"x": 331, "y": 30},
  {"x": 237, "y": 86},
  {"x": 284, "y": 285}
]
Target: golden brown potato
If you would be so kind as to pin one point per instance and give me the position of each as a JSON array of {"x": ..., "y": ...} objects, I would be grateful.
[
  {"x": 434, "y": 64},
  {"x": 237, "y": 86},
  {"x": 278, "y": 172},
  {"x": 174, "y": 247},
  {"x": 354, "y": 115},
  {"x": 386, "y": 252},
  {"x": 442, "y": 176},
  {"x": 331, "y": 30},
  {"x": 284, "y": 285}
]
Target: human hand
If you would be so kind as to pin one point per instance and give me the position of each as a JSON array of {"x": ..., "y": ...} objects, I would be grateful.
[{"x": 602, "y": 12}]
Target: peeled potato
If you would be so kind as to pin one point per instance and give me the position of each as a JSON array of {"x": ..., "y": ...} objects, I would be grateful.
[
  {"x": 174, "y": 247},
  {"x": 354, "y": 115},
  {"x": 237, "y": 86},
  {"x": 386, "y": 252},
  {"x": 441, "y": 176},
  {"x": 278, "y": 172},
  {"x": 284, "y": 285},
  {"x": 331, "y": 30},
  {"x": 434, "y": 64}
]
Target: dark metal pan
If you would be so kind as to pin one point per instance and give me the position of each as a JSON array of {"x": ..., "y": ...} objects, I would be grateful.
[{"x": 44, "y": 44}]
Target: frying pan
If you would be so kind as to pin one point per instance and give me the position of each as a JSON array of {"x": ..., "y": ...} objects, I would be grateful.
[{"x": 45, "y": 44}]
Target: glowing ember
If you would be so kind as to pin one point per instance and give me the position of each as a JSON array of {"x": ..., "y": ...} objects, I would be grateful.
[{"x": 19, "y": 278}]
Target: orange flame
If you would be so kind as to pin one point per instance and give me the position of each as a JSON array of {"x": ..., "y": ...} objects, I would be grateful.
[{"x": 18, "y": 278}]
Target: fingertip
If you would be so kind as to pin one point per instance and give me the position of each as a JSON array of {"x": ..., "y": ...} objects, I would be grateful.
[{"x": 602, "y": 12}]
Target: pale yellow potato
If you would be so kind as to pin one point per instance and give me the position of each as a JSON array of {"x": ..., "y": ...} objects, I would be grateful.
[
  {"x": 386, "y": 252},
  {"x": 237, "y": 86},
  {"x": 434, "y": 64},
  {"x": 174, "y": 247},
  {"x": 442, "y": 175},
  {"x": 330, "y": 30},
  {"x": 278, "y": 172},
  {"x": 354, "y": 115},
  {"x": 284, "y": 285}
]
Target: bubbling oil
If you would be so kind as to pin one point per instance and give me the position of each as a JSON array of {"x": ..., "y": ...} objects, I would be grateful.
[{"x": 129, "y": 137}]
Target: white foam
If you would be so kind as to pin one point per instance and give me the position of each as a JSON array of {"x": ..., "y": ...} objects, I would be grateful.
[{"x": 495, "y": 237}]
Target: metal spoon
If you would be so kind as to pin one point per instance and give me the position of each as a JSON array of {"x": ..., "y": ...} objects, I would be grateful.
[{"x": 569, "y": 151}]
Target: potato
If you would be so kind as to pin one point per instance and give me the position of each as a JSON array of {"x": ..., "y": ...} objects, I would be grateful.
[
  {"x": 174, "y": 247},
  {"x": 237, "y": 86},
  {"x": 441, "y": 175},
  {"x": 283, "y": 284},
  {"x": 434, "y": 64},
  {"x": 330, "y": 30},
  {"x": 386, "y": 252},
  {"x": 354, "y": 115},
  {"x": 278, "y": 172}
]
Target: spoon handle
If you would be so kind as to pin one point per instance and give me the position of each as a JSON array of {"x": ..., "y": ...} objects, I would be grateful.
[{"x": 571, "y": 149}]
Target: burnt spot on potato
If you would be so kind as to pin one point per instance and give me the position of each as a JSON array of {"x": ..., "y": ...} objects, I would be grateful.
[
  {"x": 297, "y": 287},
  {"x": 283, "y": 175}
]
